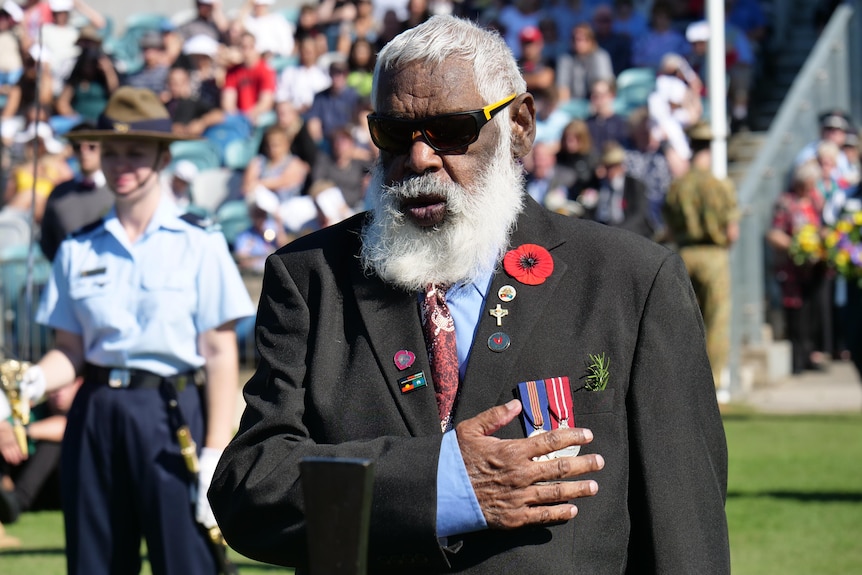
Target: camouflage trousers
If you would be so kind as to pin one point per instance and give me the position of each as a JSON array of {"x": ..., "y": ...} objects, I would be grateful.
[{"x": 709, "y": 270}]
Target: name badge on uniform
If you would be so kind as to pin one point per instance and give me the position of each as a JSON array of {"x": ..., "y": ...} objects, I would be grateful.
[{"x": 93, "y": 272}]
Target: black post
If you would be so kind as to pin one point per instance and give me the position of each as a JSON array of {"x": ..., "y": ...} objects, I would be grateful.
[{"x": 337, "y": 494}]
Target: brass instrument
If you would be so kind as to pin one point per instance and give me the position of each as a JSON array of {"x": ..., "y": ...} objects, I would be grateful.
[{"x": 11, "y": 374}]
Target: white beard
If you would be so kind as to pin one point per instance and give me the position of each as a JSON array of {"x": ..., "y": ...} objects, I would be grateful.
[{"x": 465, "y": 247}]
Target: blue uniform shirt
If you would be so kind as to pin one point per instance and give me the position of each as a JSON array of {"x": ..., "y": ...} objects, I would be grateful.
[{"x": 143, "y": 305}]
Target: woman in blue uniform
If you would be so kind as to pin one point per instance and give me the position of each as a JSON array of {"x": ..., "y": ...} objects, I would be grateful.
[{"x": 143, "y": 303}]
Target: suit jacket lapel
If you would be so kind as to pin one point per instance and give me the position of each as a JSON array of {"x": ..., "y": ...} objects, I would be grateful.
[
  {"x": 391, "y": 318},
  {"x": 489, "y": 379}
]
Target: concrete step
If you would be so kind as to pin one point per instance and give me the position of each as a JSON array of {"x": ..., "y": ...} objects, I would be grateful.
[{"x": 769, "y": 362}]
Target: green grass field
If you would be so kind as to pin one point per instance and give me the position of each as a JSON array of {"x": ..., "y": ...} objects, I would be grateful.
[{"x": 794, "y": 503}]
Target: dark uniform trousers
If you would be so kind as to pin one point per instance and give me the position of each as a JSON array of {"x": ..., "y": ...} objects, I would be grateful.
[{"x": 124, "y": 477}]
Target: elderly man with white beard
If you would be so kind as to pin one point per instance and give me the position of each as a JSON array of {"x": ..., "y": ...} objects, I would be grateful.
[{"x": 533, "y": 389}]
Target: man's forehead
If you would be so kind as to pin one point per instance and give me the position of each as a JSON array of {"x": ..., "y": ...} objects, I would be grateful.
[{"x": 419, "y": 89}]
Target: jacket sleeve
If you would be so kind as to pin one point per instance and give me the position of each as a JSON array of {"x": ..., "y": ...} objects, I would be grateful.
[
  {"x": 256, "y": 493},
  {"x": 678, "y": 451}
]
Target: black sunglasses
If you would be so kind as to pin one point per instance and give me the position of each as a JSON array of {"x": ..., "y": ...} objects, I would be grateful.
[{"x": 444, "y": 132}]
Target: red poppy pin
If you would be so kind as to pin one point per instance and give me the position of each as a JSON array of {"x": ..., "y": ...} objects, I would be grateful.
[{"x": 530, "y": 264}]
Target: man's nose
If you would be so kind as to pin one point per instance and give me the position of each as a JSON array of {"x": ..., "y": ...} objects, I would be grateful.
[{"x": 421, "y": 156}]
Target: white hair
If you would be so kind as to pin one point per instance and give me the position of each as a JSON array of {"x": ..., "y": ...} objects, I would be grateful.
[{"x": 442, "y": 40}]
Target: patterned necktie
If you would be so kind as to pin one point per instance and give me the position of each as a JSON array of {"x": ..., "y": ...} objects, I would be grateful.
[{"x": 439, "y": 330}]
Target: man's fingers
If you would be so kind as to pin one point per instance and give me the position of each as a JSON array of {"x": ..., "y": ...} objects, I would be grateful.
[
  {"x": 490, "y": 420},
  {"x": 559, "y": 492},
  {"x": 545, "y": 443},
  {"x": 566, "y": 467}
]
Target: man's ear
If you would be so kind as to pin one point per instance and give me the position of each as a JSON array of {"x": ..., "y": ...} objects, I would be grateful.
[{"x": 523, "y": 116}]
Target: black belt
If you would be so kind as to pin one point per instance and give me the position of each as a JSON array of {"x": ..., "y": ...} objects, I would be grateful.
[{"x": 130, "y": 378}]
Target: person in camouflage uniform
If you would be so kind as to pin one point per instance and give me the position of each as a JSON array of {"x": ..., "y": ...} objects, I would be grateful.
[{"x": 701, "y": 218}]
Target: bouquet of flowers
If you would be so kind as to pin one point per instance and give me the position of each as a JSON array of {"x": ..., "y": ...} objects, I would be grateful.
[
  {"x": 806, "y": 246},
  {"x": 843, "y": 244}
]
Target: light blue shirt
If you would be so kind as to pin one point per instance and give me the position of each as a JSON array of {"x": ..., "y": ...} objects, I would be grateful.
[
  {"x": 458, "y": 509},
  {"x": 143, "y": 305}
]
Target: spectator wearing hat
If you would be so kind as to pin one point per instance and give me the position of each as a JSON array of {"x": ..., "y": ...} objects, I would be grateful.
[
  {"x": 145, "y": 323},
  {"x": 61, "y": 37},
  {"x": 851, "y": 152},
  {"x": 334, "y": 107},
  {"x": 273, "y": 34},
  {"x": 249, "y": 87},
  {"x": 299, "y": 84},
  {"x": 11, "y": 63},
  {"x": 79, "y": 201},
  {"x": 621, "y": 200},
  {"x": 701, "y": 218},
  {"x": 198, "y": 57},
  {"x": 92, "y": 81},
  {"x": 833, "y": 128},
  {"x": 587, "y": 62},
  {"x": 265, "y": 235},
  {"x": 179, "y": 189},
  {"x": 739, "y": 62},
  {"x": 209, "y": 20},
  {"x": 190, "y": 115},
  {"x": 668, "y": 107},
  {"x": 154, "y": 75},
  {"x": 537, "y": 71}
]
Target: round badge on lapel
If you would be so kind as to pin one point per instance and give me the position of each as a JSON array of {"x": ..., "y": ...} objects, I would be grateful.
[
  {"x": 506, "y": 293},
  {"x": 499, "y": 341}
]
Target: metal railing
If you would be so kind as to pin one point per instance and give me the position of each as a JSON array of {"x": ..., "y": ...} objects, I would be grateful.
[
  {"x": 22, "y": 338},
  {"x": 823, "y": 83}
]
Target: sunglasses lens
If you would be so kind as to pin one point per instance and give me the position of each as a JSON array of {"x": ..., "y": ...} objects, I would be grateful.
[
  {"x": 452, "y": 132},
  {"x": 393, "y": 137}
]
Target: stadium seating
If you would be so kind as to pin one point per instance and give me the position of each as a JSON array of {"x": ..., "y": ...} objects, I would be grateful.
[
  {"x": 634, "y": 86},
  {"x": 202, "y": 153},
  {"x": 576, "y": 108}
]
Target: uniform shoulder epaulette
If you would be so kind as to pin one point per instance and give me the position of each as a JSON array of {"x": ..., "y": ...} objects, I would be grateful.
[
  {"x": 87, "y": 229},
  {"x": 204, "y": 222}
]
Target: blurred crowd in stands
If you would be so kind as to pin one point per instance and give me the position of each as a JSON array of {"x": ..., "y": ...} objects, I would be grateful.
[{"x": 277, "y": 98}]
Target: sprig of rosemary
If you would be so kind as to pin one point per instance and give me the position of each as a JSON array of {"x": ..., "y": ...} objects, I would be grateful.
[{"x": 597, "y": 372}]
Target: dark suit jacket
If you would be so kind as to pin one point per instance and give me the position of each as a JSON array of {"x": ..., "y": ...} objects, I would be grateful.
[{"x": 327, "y": 386}]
